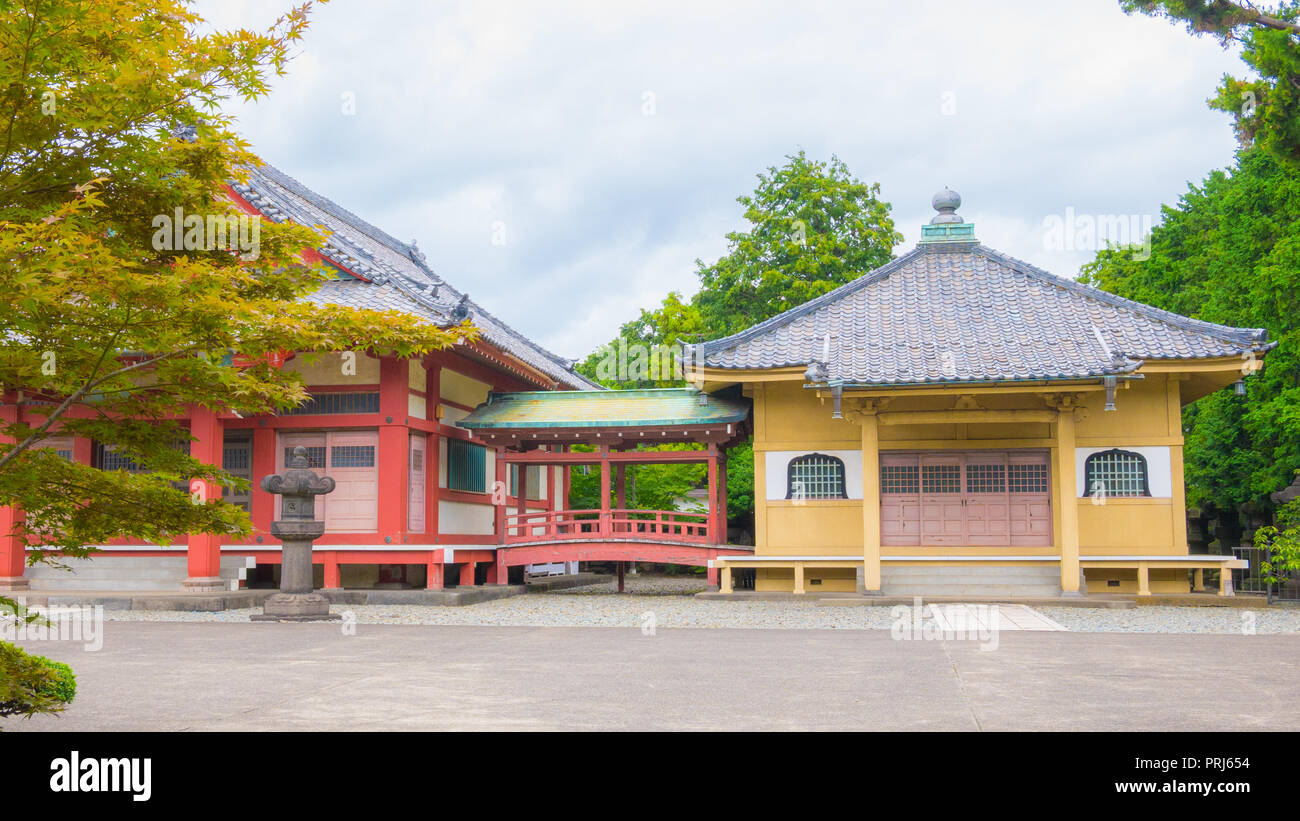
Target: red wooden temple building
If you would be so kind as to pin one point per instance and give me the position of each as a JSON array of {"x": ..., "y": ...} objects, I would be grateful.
[{"x": 430, "y": 491}]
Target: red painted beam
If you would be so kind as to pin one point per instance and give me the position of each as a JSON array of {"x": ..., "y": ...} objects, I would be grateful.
[{"x": 546, "y": 457}]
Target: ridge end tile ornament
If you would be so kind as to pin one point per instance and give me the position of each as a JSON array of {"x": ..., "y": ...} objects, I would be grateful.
[{"x": 298, "y": 486}]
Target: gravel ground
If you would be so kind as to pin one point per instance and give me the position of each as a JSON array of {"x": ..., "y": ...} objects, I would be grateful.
[
  {"x": 1177, "y": 619},
  {"x": 644, "y": 585},
  {"x": 666, "y": 601}
]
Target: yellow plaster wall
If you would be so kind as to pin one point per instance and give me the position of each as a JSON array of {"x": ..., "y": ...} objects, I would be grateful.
[
  {"x": 789, "y": 417},
  {"x": 327, "y": 369},
  {"x": 457, "y": 387},
  {"x": 821, "y": 528},
  {"x": 1126, "y": 526}
]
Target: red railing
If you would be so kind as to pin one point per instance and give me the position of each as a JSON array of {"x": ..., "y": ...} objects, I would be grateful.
[{"x": 576, "y": 525}]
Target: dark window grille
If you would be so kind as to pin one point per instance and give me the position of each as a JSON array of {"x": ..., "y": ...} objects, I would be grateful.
[
  {"x": 352, "y": 456},
  {"x": 815, "y": 476},
  {"x": 1027, "y": 478},
  {"x": 900, "y": 479},
  {"x": 1116, "y": 472},
  {"x": 315, "y": 457},
  {"x": 236, "y": 459},
  {"x": 466, "y": 466},
  {"x": 941, "y": 478},
  {"x": 336, "y": 403},
  {"x": 986, "y": 478}
]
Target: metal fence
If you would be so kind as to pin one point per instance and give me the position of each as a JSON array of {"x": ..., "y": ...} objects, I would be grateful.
[{"x": 1249, "y": 580}]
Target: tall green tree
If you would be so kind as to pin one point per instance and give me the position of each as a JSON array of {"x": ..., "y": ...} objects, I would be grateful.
[
  {"x": 110, "y": 122},
  {"x": 1229, "y": 252},
  {"x": 812, "y": 227},
  {"x": 1265, "y": 108}
]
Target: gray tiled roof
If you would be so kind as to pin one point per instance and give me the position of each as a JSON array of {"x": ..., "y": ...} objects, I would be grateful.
[
  {"x": 401, "y": 279},
  {"x": 961, "y": 312}
]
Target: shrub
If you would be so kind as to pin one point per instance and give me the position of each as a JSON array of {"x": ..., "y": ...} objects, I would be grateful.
[
  {"x": 1282, "y": 543},
  {"x": 33, "y": 684}
]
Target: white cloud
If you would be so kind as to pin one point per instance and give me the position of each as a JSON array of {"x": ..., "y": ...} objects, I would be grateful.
[{"x": 535, "y": 115}]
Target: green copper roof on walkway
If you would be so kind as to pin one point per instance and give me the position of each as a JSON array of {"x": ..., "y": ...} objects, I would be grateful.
[{"x": 604, "y": 409}]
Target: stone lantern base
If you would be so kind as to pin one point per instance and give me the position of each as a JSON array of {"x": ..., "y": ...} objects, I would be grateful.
[{"x": 296, "y": 607}]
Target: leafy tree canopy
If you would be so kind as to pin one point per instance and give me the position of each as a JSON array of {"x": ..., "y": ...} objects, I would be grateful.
[
  {"x": 1265, "y": 108},
  {"x": 110, "y": 121},
  {"x": 813, "y": 227},
  {"x": 1229, "y": 252}
]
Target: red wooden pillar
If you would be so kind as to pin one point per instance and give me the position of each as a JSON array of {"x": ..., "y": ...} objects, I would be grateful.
[
  {"x": 204, "y": 549},
  {"x": 620, "y": 485},
  {"x": 432, "y": 448},
  {"x": 435, "y": 569},
  {"x": 500, "y": 573},
  {"x": 467, "y": 574},
  {"x": 604, "y": 491},
  {"x": 712, "y": 518},
  {"x": 722, "y": 499},
  {"x": 522, "y": 501},
  {"x": 13, "y": 549},
  {"x": 82, "y": 450},
  {"x": 333, "y": 575},
  {"x": 394, "y": 447},
  {"x": 712, "y": 571},
  {"x": 568, "y": 477},
  {"x": 262, "y": 504},
  {"x": 501, "y": 491}
]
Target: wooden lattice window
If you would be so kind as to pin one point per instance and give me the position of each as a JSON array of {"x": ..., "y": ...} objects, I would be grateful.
[
  {"x": 335, "y": 403},
  {"x": 466, "y": 466},
  {"x": 237, "y": 460},
  {"x": 352, "y": 456},
  {"x": 941, "y": 478},
  {"x": 900, "y": 479},
  {"x": 986, "y": 478},
  {"x": 1027, "y": 478},
  {"x": 315, "y": 456},
  {"x": 1116, "y": 472},
  {"x": 815, "y": 476}
]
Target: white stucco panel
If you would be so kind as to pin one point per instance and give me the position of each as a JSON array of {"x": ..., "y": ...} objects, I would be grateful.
[
  {"x": 777, "y": 463},
  {"x": 1159, "y": 468},
  {"x": 466, "y": 519}
]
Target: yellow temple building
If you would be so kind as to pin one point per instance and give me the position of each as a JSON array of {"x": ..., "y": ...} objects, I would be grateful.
[{"x": 958, "y": 422}]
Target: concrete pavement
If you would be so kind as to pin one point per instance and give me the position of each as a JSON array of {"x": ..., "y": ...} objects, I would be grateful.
[{"x": 197, "y": 676}]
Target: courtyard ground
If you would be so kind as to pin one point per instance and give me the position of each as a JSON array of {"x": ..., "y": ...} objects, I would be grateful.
[
  {"x": 585, "y": 658},
  {"x": 204, "y": 676}
]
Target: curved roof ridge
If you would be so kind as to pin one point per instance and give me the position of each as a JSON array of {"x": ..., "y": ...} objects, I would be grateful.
[
  {"x": 294, "y": 200},
  {"x": 336, "y": 210},
  {"x": 1186, "y": 323},
  {"x": 874, "y": 275}
]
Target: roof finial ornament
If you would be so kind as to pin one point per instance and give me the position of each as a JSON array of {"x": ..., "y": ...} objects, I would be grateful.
[
  {"x": 946, "y": 202},
  {"x": 461, "y": 311}
]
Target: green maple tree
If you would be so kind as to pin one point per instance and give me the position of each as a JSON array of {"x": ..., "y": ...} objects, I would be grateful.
[{"x": 110, "y": 116}]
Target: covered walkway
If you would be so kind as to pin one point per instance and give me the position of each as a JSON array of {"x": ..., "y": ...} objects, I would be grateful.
[{"x": 611, "y": 430}]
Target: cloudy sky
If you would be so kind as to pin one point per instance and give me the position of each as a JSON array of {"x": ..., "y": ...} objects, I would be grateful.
[{"x": 567, "y": 162}]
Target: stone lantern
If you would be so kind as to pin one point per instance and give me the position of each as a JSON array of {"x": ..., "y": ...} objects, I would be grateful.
[{"x": 298, "y": 486}]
